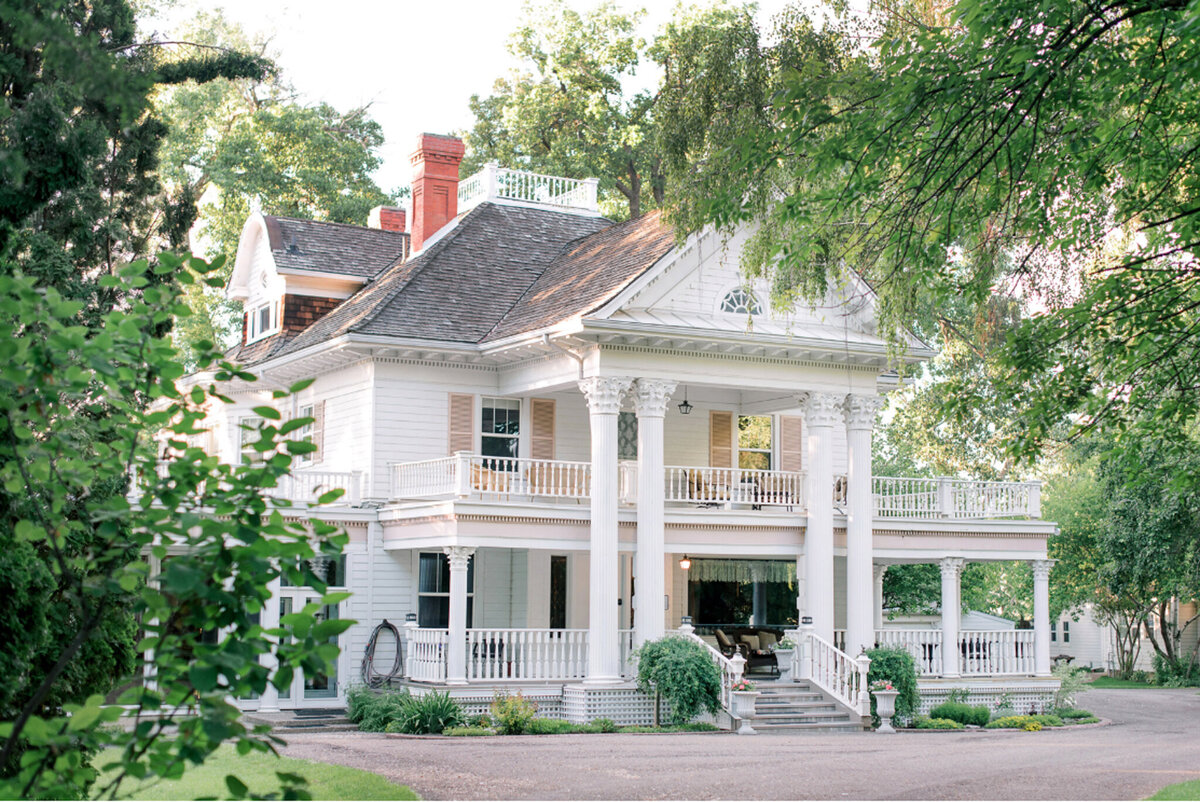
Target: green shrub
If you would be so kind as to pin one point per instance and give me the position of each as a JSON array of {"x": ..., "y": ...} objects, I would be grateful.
[
  {"x": 1032, "y": 726},
  {"x": 603, "y": 725},
  {"x": 373, "y": 711},
  {"x": 683, "y": 673},
  {"x": 1019, "y": 722},
  {"x": 483, "y": 720},
  {"x": 1071, "y": 681},
  {"x": 1087, "y": 720},
  {"x": 936, "y": 724},
  {"x": 513, "y": 714},
  {"x": 897, "y": 667},
  {"x": 962, "y": 713},
  {"x": 552, "y": 726},
  {"x": 468, "y": 732},
  {"x": 1067, "y": 713},
  {"x": 429, "y": 713},
  {"x": 1182, "y": 673}
]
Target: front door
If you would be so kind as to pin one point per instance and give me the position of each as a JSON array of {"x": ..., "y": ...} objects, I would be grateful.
[{"x": 327, "y": 688}]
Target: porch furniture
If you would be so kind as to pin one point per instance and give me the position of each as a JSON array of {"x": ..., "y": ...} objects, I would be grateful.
[
  {"x": 726, "y": 645},
  {"x": 489, "y": 480},
  {"x": 705, "y": 490}
]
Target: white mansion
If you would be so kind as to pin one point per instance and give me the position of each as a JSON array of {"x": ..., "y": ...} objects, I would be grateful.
[{"x": 561, "y": 437}]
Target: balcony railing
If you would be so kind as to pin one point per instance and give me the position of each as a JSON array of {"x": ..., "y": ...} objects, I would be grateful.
[
  {"x": 301, "y": 486},
  {"x": 494, "y": 182},
  {"x": 506, "y": 479}
]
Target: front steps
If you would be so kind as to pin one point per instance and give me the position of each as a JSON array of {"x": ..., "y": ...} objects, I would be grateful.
[
  {"x": 799, "y": 707},
  {"x": 311, "y": 720}
]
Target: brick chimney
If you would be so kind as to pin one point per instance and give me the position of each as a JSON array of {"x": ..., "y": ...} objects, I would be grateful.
[
  {"x": 387, "y": 218},
  {"x": 434, "y": 185}
]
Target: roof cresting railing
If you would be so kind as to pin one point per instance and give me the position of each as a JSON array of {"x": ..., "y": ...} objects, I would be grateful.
[{"x": 494, "y": 182}]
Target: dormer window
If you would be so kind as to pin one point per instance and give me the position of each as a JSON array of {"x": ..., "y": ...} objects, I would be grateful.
[
  {"x": 263, "y": 321},
  {"x": 740, "y": 301}
]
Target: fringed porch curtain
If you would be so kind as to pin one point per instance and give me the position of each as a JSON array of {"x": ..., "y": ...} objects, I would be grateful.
[{"x": 743, "y": 571}]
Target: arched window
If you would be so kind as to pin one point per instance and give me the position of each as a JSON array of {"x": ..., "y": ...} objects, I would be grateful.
[{"x": 741, "y": 301}]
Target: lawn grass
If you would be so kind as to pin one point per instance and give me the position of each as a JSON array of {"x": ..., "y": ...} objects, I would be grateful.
[
  {"x": 1184, "y": 790},
  {"x": 1114, "y": 682},
  {"x": 257, "y": 771}
]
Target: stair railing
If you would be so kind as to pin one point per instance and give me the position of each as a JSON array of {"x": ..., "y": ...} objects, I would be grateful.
[
  {"x": 833, "y": 671},
  {"x": 732, "y": 668}
]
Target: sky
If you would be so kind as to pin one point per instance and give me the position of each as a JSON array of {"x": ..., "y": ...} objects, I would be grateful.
[{"x": 416, "y": 63}]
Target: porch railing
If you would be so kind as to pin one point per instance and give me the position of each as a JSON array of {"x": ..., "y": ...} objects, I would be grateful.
[
  {"x": 306, "y": 486},
  {"x": 1003, "y": 651},
  {"x": 833, "y": 671},
  {"x": 925, "y": 646},
  {"x": 734, "y": 486},
  {"x": 549, "y": 654},
  {"x": 904, "y": 497},
  {"x": 426, "y": 654},
  {"x": 625, "y": 641},
  {"x": 501, "y": 478}
]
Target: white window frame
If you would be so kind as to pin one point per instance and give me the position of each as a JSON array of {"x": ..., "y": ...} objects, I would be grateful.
[
  {"x": 486, "y": 401},
  {"x": 747, "y": 304},
  {"x": 769, "y": 450},
  {"x": 472, "y": 589},
  {"x": 246, "y": 436},
  {"x": 305, "y": 433},
  {"x": 254, "y": 330}
]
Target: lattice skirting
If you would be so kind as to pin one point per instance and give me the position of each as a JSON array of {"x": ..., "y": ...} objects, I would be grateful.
[
  {"x": 1024, "y": 694},
  {"x": 477, "y": 701},
  {"x": 624, "y": 704}
]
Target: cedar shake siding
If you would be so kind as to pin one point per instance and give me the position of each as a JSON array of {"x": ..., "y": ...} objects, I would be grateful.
[{"x": 301, "y": 311}]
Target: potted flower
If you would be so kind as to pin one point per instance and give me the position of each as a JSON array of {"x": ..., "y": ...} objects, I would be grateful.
[
  {"x": 744, "y": 697},
  {"x": 783, "y": 657},
  {"x": 885, "y": 704}
]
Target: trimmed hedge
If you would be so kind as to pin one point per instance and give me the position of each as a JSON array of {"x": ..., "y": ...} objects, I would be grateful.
[
  {"x": 962, "y": 713},
  {"x": 1019, "y": 722},
  {"x": 936, "y": 724}
]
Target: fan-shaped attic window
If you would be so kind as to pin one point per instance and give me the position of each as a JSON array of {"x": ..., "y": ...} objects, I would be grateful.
[{"x": 740, "y": 301}]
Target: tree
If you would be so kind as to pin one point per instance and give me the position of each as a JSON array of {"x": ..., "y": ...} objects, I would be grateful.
[
  {"x": 566, "y": 111},
  {"x": 244, "y": 145}
]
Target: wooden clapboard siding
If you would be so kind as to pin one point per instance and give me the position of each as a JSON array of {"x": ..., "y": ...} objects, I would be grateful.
[
  {"x": 541, "y": 428},
  {"x": 791, "y": 443},
  {"x": 318, "y": 431},
  {"x": 720, "y": 438},
  {"x": 462, "y": 422}
]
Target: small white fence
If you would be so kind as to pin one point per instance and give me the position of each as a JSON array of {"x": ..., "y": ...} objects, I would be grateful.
[
  {"x": 925, "y": 646},
  {"x": 306, "y": 486},
  {"x": 497, "y": 478},
  {"x": 734, "y": 486},
  {"x": 426, "y": 654},
  {"x": 549, "y": 654},
  {"x": 495, "y": 182},
  {"x": 997, "y": 652}
]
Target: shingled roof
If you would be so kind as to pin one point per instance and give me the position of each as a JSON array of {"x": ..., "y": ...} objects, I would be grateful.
[{"x": 317, "y": 246}]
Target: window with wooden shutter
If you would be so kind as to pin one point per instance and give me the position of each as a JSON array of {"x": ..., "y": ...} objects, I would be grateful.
[
  {"x": 791, "y": 443},
  {"x": 720, "y": 439},
  {"x": 462, "y": 422},
  {"x": 541, "y": 434}
]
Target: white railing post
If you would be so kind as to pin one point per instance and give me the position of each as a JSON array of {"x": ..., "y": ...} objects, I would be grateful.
[
  {"x": 864, "y": 689},
  {"x": 462, "y": 473},
  {"x": 590, "y": 187},
  {"x": 490, "y": 184},
  {"x": 410, "y": 657},
  {"x": 945, "y": 497},
  {"x": 804, "y": 649},
  {"x": 354, "y": 491},
  {"x": 1035, "y": 499}
]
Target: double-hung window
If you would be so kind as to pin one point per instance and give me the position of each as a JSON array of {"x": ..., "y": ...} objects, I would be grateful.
[
  {"x": 433, "y": 591},
  {"x": 754, "y": 442},
  {"x": 248, "y": 435},
  {"x": 500, "y": 430},
  {"x": 305, "y": 433},
  {"x": 262, "y": 320}
]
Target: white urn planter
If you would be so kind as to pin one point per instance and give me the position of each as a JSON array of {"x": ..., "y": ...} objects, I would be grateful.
[
  {"x": 743, "y": 708},
  {"x": 885, "y": 708},
  {"x": 783, "y": 659}
]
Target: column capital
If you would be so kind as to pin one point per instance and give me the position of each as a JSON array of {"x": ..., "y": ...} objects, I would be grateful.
[
  {"x": 651, "y": 396},
  {"x": 459, "y": 556},
  {"x": 821, "y": 409},
  {"x": 1041, "y": 568},
  {"x": 860, "y": 410},
  {"x": 952, "y": 566},
  {"x": 877, "y": 572},
  {"x": 604, "y": 393}
]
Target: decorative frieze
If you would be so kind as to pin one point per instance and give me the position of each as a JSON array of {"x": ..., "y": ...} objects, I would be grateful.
[
  {"x": 821, "y": 409},
  {"x": 605, "y": 393},
  {"x": 860, "y": 410},
  {"x": 651, "y": 396}
]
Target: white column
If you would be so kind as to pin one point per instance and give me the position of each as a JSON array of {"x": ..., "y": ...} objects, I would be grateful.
[
  {"x": 651, "y": 397},
  {"x": 604, "y": 394},
  {"x": 1041, "y": 616},
  {"x": 877, "y": 575},
  {"x": 269, "y": 619},
  {"x": 951, "y": 612},
  {"x": 456, "y": 650},
  {"x": 822, "y": 412},
  {"x": 860, "y": 419}
]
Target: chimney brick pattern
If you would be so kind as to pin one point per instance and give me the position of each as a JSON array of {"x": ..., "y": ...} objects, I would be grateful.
[
  {"x": 387, "y": 218},
  {"x": 434, "y": 185}
]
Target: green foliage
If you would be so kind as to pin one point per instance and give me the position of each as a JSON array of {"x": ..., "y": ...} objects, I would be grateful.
[
  {"x": 1178, "y": 673},
  {"x": 1032, "y": 726},
  {"x": 372, "y": 710},
  {"x": 925, "y": 723},
  {"x": 552, "y": 726},
  {"x": 427, "y": 713},
  {"x": 603, "y": 725},
  {"x": 962, "y": 713},
  {"x": 482, "y": 720},
  {"x": 1022, "y": 722},
  {"x": 469, "y": 732},
  {"x": 691, "y": 726},
  {"x": 1071, "y": 682},
  {"x": 897, "y": 667},
  {"x": 1072, "y": 713},
  {"x": 681, "y": 672},
  {"x": 512, "y": 713},
  {"x": 1189, "y": 790}
]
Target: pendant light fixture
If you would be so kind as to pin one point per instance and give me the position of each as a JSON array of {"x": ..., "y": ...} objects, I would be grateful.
[
  {"x": 685, "y": 563},
  {"x": 684, "y": 407}
]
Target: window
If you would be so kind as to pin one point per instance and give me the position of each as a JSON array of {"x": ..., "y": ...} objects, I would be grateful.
[
  {"x": 305, "y": 433},
  {"x": 740, "y": 301},
  {"x": 501, "y": 427},
  {"x": 627, "y": 433},
  {"x": 754, "y": 442},
  {"x": 262, "y": 320},
  {"x": 1066, "y": 631},
  {"x": 248, "y": 435},
  {"x": 1053, "y": 631},
  {"x": 558, "y": 591},
  {"x": 433, "y": 591}
]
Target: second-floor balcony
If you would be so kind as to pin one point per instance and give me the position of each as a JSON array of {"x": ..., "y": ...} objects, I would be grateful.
[{"x": 521, "y": 481}]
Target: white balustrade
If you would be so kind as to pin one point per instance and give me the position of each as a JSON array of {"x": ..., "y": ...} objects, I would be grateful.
[
  {"x": 925, "y": 646},
  {"x": 625, "y": 641},
  {"x": 901, "y": 497},
  {"x": 426, "y": 654},
  {"x": 904, "y": 497},
  {"x": 549, "y": 654},
  {"x": 496, "y": 478},
  {"x": 306, "y": 486},
  {"x": 495, "y": 182},
  {"x": 997, "y": 652},
  {"x": 431, "y": 477},
  {"x": 734, "y": 486},
  {"x": 835, "y": 672}
]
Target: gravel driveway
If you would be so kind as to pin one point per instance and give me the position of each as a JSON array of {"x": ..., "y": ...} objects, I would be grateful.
[{"x": 1154, "y": 741}]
